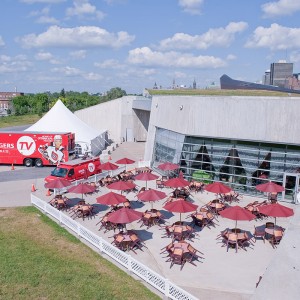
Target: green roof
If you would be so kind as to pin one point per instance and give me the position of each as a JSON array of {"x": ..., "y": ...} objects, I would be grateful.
[{"x": 219, "y": 92}]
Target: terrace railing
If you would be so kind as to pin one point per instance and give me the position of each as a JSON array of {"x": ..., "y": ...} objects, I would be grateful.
[{"x": 163, "y": 285}]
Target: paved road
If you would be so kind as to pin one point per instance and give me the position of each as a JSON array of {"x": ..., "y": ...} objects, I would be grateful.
[
  {"x": 23, "y": 173},
  {"x": 15, "y": 128}
]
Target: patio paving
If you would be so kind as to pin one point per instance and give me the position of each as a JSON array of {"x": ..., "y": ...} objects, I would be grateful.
[{"x": 223, "y": 274}]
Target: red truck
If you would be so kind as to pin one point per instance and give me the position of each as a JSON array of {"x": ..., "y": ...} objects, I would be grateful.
[
  {"x": 36, "y": 148},
  {"x": 76, "y": 169}
]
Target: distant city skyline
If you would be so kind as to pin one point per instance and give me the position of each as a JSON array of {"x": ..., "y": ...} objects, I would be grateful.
[{"x": 93, "y": 46}]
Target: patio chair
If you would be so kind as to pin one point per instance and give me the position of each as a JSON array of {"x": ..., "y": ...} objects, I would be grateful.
[
  {"x": 276, "y": 238},
  {"x": 223, "y": 234},
  {"x": 176, "y": 257},
  {"x": 196, "y": 222},
  {"x": 244, "y": 242},
  {"x": 160, "y": 184},
  {"x": 160, "y": 218},
  {"x": 118, "y": 241},
  {"x": 189, "y": 234},
  {"x": 167, "y": 249},
  {"x": 232, "y": 241},
  {"x": 178, "y": 233},
  {"x": 146, "y": 220},
  {"x": 259, "y": 233},
  {"x": 127, "y": 204},
  {"x": 168, "y": 233},
  {"x": 209, "y": 220},
  {"x": 135, "y": 242}
]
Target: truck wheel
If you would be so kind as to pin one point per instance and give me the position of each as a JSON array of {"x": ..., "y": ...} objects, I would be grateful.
[
  {"x": 38, "y": 163},
  {"x": 28, "y": 162}
]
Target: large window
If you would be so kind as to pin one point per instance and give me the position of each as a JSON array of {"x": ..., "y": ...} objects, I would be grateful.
[{"x": 242, "y": 164}]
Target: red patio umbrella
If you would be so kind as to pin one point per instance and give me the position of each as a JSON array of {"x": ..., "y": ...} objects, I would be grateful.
[
  {"x": 108, "y": 166},
  {"x": 217, "y": 188},
  {"x": 151, "y": 196},
  {"x": 276, "y": 210},
  {"x": 180, "y": 206},
  {"x": 121, "y": 186},
  {"x": 146, "y": 176},
  {"x": 176, "y": 182},
  {"x": 58, "y": 183},
  {"x": 237, "y": 213},
  {"x": 270, "y": 187},
  {"x": 125, "y": 161},
  {"x": 111, "y": 198},
  {"x": 82, "y": 188},
  {"x": 168, "y": 166},
  {"x": 124, "y": 215}
]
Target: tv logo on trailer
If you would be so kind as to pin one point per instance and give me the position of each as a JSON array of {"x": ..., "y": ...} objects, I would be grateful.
[
  {"x": 26, "y": 145},
  {"x": 91, "y": 167}
]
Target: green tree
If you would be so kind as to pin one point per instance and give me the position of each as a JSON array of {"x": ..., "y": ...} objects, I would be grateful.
[
  {"x": 114, "y": 93},
  {"x": 21, "y": 104}
]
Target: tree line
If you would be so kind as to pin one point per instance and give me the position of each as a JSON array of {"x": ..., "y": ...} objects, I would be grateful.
[{"x": 42, "y": 102}]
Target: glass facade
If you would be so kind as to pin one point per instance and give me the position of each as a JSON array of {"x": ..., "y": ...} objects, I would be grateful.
[{"x": 241, "y": 164}]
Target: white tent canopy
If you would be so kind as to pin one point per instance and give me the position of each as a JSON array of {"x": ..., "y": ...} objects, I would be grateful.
[{"x": 60, "y": 119}]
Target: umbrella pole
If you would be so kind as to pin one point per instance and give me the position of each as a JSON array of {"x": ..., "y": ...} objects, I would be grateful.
[{"x": 235, "y": 225}]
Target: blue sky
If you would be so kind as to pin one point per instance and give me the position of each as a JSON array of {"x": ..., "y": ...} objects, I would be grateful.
[{"x": 93, "y": 46}]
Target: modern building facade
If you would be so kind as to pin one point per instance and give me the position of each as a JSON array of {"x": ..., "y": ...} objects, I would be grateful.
[
  {"x": 280, "y": 72},
  {"x": 242, "y": 140}
]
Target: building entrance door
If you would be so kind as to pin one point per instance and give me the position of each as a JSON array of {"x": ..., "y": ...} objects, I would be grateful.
[{"x": 292, "y": 189}]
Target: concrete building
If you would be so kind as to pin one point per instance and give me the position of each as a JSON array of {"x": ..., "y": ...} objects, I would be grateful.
[
  {"x": 6, "y": 101},
  {"x": 240, "y": 140},
  {"x": 266, "y": 77},
  {"x": 280, "y": 72}
]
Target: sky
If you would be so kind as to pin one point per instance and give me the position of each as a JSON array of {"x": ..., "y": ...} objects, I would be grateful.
[{"x": 95, "y": 45}]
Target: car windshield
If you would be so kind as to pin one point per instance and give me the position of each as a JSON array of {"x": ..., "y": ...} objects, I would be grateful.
[{"x": 59, "y": 172}]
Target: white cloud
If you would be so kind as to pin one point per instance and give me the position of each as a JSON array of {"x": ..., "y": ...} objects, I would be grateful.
[
  {"x": 275, "y": 37},
  {"x": 192, "y": 7},
  {"x": 47, "y": 20},
  {"x": 42, "y": 1},
  {"x": 145, "y": 56},
  {"x": 231, "y": 57},
  {"x": 84, "y": 8},
  {"x": 1, "y": 42},
  {"x": 179, "y": 74},
  {"x": 43, "y": 56},
  {"x": 109, "y": 64},
  {"x": 280, "y": 8},
  {"x": 15, "y": 64},
  {"x": 78, "y": 54},
  {"x": 148, "y": 72},
  {"x": 47, "y": 56},
  {"x": 92, "y": 76},
  {"x": 295, "y": 56},
  {"x": 220, "y": 37},
  {"x": 82, "y": 36},
  {"x": 67, "y": 71},
  {"x": 5, "y": 58}
]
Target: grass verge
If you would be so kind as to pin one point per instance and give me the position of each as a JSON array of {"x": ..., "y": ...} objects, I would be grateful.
[
  {"x": 40, "y": 260},
  {"x": 18, "y": 120}
]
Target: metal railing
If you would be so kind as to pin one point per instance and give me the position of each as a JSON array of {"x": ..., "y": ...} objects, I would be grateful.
[{"x": 162, "y": 284}]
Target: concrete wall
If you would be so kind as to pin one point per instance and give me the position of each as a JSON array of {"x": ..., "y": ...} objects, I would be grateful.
[
  {"x": 141, "y": 123},
  {"x": 273, "y": 119},
  {"x": 116, "y": 116}
]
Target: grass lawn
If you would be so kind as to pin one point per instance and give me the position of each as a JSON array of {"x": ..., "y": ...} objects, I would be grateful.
[
  {"x": 41, "y": 260},
  {"x": 18, "y": 120}
]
